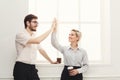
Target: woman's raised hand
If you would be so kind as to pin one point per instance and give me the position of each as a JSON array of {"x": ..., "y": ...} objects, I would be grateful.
[{"x": 54, "y": 25}]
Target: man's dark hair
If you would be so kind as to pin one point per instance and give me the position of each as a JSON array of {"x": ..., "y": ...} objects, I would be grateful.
[{"x": 29, "y": 17}]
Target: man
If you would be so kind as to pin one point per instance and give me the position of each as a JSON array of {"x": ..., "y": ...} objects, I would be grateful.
[{"x": 27, "y": 45}]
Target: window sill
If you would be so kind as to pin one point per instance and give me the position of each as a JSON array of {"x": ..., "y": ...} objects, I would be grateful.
[
  {"x": 62, "y": 64},
  {"x": 49, "y": 65}
]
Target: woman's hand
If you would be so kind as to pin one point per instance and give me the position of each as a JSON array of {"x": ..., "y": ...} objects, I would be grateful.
[
  {"x": 54, "y": 25},
  {"x": 73, "y": 72}
]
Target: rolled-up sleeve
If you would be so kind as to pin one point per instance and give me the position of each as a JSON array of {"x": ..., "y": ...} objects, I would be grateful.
[{"x": 22, "y": 38}]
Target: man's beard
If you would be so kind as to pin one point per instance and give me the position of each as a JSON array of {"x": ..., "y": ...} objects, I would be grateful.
[{"x": 32, "y": 29}]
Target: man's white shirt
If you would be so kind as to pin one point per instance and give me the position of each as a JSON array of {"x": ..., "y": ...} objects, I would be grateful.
[{"x": 26, "y": 53}]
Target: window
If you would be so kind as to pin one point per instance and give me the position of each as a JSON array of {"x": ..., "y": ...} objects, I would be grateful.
[{"x": 91, "y": 17}]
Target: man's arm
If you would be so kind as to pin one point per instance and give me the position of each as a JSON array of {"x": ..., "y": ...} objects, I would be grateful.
[
  {"x": 40, "y": 38},
  {"x": 43, "y": 36},
  {"x": 44, "y": 54}
]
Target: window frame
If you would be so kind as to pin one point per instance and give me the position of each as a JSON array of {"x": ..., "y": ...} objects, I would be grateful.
[{"x": 105, "y": 30}]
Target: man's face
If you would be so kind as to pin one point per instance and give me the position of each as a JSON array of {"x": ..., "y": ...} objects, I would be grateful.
[{"x": 33, "y": 25}]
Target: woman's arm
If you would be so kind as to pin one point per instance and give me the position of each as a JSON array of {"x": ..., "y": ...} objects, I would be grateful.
[
  {"x": 54, "y": 40},
  {"x": 84, "y": 67}
]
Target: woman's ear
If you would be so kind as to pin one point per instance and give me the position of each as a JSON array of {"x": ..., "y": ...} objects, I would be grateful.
[{"x": 78, "y": 38}]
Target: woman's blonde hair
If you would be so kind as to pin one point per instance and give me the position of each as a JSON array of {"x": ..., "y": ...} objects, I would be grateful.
[{"x": 78, "y": 33}]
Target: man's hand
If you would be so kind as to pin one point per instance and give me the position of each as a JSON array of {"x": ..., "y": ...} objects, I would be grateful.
[
  {"x": 44, "y": 54},
  {"x": 54, "y": 62}
]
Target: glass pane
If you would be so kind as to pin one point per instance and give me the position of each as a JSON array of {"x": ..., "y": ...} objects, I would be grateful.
[
  {"x": 63, "y": 32},
  {"x": 91, "y": 40},
  {"x": 90, "y": 10},
  {"x": 32, "y": 7},
  {"x": 45, "y": 9},
  {"x": 68, "y": 10}
]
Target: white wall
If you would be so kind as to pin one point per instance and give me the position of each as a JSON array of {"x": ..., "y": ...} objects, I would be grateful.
[{"x": 12, "y": 13}]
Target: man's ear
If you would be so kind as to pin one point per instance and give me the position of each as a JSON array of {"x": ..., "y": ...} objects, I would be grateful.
[{"x": 28, "y": 23}]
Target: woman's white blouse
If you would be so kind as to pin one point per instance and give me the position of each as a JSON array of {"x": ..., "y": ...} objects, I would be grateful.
[{"x": 72, "y": 57}]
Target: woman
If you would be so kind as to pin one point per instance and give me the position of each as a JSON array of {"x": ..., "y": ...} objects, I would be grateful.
[{"x": 75, "y": 58}]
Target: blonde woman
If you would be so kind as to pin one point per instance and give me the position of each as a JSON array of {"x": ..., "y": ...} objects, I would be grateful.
[{"x": 75, "y": 58}]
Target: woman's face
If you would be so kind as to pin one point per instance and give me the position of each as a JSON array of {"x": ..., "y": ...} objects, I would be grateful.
[{"x": 73, "y": 37}]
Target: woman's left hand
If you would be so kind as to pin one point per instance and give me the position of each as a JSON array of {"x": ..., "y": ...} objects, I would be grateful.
[{"x": 73, "y": 72}]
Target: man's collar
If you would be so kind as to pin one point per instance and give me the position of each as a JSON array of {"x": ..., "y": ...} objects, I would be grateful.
[{"x": 29, "y": 33}]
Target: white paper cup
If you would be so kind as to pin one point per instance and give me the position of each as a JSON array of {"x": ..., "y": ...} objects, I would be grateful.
[{"x": 70, "y": 68}]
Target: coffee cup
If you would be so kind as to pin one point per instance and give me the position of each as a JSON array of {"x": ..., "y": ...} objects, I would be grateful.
[{"x": 59, "y": 60}]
